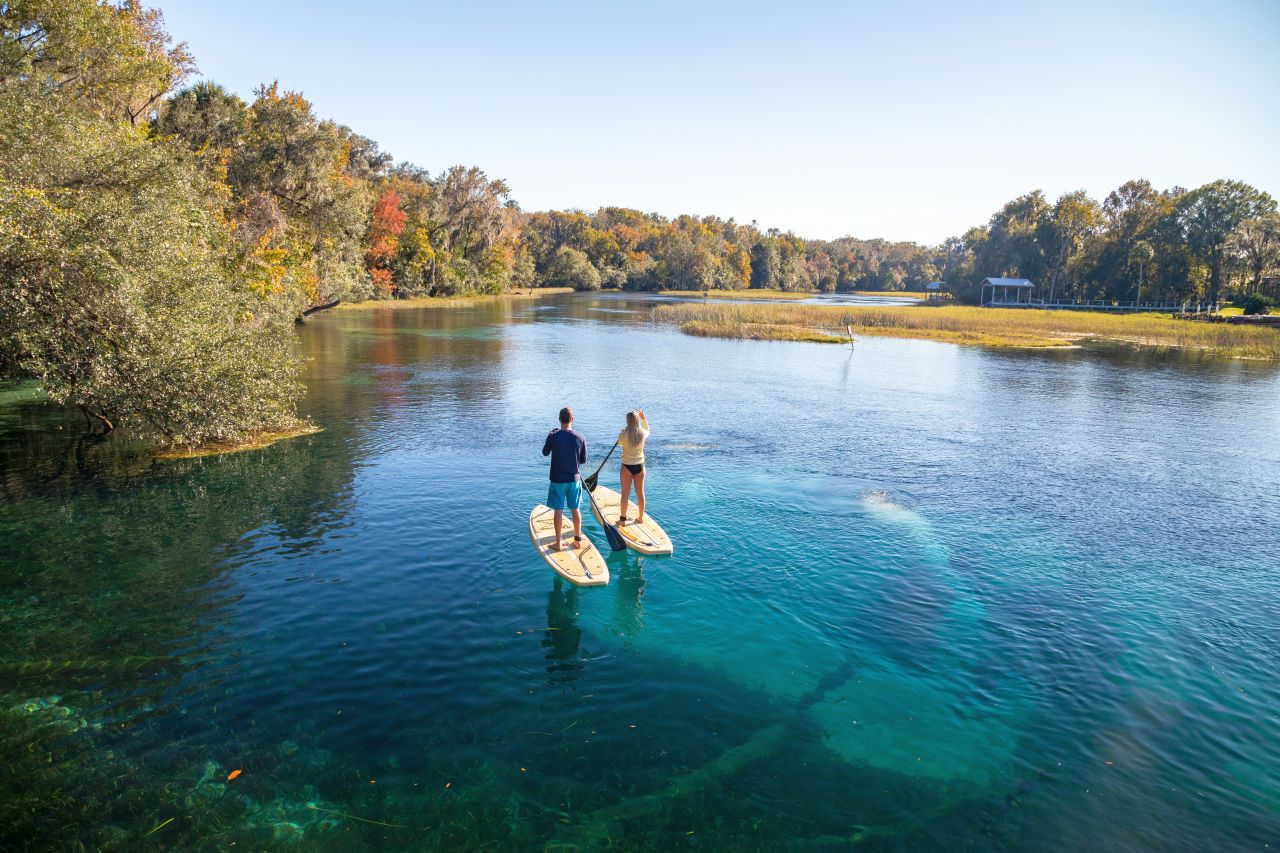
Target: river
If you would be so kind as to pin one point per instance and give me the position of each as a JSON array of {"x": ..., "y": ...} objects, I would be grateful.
[{"x": 923, "y": 597}]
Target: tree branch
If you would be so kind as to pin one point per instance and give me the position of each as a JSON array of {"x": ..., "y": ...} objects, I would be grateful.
[
  {"x": 316, "y": 309},
  {"x": 90, "y": 413}
]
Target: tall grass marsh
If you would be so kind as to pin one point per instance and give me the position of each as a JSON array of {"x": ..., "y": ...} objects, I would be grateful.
[{"x": 989, "y": 327}]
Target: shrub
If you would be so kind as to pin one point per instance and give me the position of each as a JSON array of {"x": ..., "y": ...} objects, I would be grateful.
[
  {"x": 612, "y": 278},
  {"x": 1258, "y": 304},
  {"x": 573, "y": 268}
]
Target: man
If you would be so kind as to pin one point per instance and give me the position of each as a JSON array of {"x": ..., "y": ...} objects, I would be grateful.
[{"x": 567, "y": 450}]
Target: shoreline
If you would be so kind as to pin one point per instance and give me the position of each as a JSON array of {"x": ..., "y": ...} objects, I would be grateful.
[
  {"x": 745, "y": 293},
  {"x": 461, "y": 301},
  {"x": 781, "y": 295}
]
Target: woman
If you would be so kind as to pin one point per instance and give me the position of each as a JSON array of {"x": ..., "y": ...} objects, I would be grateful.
[{"x": 631, "y": 440}]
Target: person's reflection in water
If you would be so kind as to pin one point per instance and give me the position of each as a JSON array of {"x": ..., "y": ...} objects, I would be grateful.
[
  {"x": 560, "y": 640},
  {"x": 629, "y": 609}
]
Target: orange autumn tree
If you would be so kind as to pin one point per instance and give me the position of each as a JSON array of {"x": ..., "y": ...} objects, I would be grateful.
[{"x": 384, "y": 230}]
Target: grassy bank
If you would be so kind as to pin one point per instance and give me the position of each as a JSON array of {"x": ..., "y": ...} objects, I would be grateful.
[
  {"x": 990, "y": 327},
  {"x": 453, "y": 301}
]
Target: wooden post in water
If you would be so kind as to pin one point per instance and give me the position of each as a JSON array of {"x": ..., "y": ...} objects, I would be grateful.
[{"x": 849, "y": 328}]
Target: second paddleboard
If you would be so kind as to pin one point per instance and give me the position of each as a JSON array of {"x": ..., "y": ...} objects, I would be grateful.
[{"x": 646, "y": 537}]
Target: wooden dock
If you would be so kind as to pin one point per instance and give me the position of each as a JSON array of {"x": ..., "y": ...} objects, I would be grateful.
[
  {"x": 1234, "y": 319},
  {"x": 1107, "y": 305}
]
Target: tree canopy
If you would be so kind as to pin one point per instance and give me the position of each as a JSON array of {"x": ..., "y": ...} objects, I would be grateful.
[
  {"x": 155, "y": 245},
  {"x": 120, "y": 288}
]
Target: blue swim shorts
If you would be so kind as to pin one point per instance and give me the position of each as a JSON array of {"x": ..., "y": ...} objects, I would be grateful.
[{"x": 565, "y": 495}]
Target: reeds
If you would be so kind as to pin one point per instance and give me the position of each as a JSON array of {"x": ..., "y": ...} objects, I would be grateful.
[
  {"x": 990, "y": 327},
  {"x": 757, "y": 332}
]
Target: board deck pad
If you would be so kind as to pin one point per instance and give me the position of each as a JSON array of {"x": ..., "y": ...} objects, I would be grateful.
[
  {"x": 583, "y": 565},
  {"x": 646, "y": 537}
]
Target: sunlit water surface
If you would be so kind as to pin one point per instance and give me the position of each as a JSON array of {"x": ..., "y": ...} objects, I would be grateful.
[{"x": 923, "y": 597}]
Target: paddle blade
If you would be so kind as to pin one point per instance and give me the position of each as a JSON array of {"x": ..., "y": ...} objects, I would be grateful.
[
  {"x": 611, "y": 533},
  {"x": 616, "y": 541}
]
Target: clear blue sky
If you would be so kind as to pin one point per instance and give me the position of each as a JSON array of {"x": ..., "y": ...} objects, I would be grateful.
[{"x": 903, "y": 120}]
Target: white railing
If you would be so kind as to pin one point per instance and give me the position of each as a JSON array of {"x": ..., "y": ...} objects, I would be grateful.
[{"x": 1105, "y": 305}]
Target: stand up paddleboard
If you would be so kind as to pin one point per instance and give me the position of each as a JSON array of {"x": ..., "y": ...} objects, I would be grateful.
[
  {"x": 645, "y": 537},
  {"x": 582, "y": 565}
]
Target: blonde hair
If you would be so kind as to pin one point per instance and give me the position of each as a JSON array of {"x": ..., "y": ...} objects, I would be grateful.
[{"x": 634, "y": 433}]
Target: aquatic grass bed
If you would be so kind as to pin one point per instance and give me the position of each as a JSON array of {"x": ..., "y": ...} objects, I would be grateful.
[
  {"x": 758, "y": 332},
  {"x": 251, "y": 442},
  {"x": 989, "y": 327}
]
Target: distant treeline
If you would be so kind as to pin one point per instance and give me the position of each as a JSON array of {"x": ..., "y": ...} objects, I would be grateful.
[
  {"x": 157, "y": 241},
  {"x": 325, "y": 215},
  {"x": 332, "y": 217},
  {"x": 329, "y": 216},
  {"x": 1176, "y": 244}
]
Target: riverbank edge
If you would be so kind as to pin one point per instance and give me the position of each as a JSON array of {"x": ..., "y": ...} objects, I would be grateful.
[
  {"x": 745, "y": 293},
  {"x": 463, "y": 301}
]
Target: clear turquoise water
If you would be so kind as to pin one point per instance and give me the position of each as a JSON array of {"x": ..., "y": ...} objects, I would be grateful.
[{"x": 924, "y": 597}]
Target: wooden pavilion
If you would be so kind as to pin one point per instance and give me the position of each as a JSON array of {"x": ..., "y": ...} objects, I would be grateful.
[{"x": 1006, "y": 292}]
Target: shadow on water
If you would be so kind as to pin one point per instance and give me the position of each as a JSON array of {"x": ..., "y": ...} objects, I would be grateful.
[
  {"x": 628, "y": 613},
  {"x": 563, "y": 637}
]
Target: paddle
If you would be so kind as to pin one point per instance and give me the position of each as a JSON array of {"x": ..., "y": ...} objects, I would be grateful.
[
  {"x": 594, "y": 480},
  {"x": 610, "y": 532}
]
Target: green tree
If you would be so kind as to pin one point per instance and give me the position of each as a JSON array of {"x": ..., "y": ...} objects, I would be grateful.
[
  {"x": 1012, "y": 246},
  {"x": 523, "y": 272},
  {"x": 572, "y": 268},
  {"x": 118, "y": 289},
  {"x": 1061, "y": 232},
  {"x": 115, "y": 61},
  {"x": 1140, "y": 256},
  {"x": 1257, "y": 241},
  {"x": 206, "y": 117},
  {"x": 1210, "y": 214},
  {"x": 291, "y": 161},
  {"x": 766, "y": 264}
]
